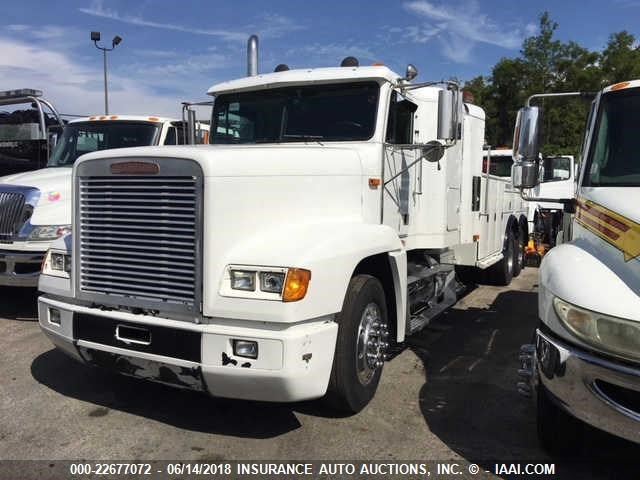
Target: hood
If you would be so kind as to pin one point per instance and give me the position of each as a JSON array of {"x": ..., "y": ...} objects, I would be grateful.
[
  {"x": 261, "y": 160},
  {"x": 54, "y": 205}
]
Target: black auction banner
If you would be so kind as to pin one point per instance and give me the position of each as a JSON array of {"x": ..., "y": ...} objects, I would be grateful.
[{"x": 214, "y": 469}]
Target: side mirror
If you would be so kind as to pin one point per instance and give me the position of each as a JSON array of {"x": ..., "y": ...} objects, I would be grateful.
[
  {"x": 53, "y": 135},
  {"x": 449, "y": 107},
  {"x": 191, "y": 127},
  {"x": 526, "y": 148}
]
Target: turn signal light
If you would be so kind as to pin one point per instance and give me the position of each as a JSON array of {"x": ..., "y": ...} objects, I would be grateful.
[{"x": 296, "y": 284}]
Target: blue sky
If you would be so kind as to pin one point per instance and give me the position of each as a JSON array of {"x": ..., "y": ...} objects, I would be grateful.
[{"x": 174, "y": 50}]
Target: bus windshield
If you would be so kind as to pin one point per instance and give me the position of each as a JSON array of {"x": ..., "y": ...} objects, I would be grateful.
[
  {"x": 80, "y": 138},
  {"x": 333, "y": 112},
  {"x": 614, "y": 159}
]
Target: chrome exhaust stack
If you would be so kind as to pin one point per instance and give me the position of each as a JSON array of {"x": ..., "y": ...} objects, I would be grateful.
[{"x": 252, "y": 56}]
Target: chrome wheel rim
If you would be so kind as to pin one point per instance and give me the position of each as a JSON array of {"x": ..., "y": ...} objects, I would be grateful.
[{"x": 371, "y": 343}]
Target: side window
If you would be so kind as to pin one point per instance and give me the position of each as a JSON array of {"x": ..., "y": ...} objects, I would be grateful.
[
  {"x": 171, "y": 138},
  {"x": 400, "y": 121},
  {"x": 181, "y": 134}
]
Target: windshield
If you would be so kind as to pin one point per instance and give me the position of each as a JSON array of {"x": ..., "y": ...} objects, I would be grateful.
[
  {"x": 80, "y": 138},
  {"x": 614, "y": 160},
  {"x": 556, "y": 168},
  {"x": 336, "y": 112}
]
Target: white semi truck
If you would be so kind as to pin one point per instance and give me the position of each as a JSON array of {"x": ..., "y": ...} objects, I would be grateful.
[
  {"x": 325, "y": 222},
  {"x": 584, "y": 365},
  {"x": 35, "y": 206}
]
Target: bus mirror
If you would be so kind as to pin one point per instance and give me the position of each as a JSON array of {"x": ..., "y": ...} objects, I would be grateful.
[{"x": 526, "y": 148}]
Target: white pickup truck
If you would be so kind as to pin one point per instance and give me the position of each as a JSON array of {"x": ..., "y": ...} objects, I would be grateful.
[
  {"x": 35, "y": 207},
  {"x": 584, "y": 365},
  {"x": 326, "y": 221}
]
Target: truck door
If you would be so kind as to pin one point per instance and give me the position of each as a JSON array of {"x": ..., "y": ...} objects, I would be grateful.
[{"x": 399, "y": 155}]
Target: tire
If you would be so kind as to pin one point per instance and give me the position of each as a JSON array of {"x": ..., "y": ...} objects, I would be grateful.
[
  {"x": 559, "y": 433},
  {"x": 502, "y": 272},
  {"x": 354, "y": 375},
  {"x": 518, "y": 252}
]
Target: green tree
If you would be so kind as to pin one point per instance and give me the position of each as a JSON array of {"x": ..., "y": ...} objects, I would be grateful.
[{"x": 620, "y": 59}]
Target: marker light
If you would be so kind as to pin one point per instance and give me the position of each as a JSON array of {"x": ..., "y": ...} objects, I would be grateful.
[{"x": 296, "y": 284}]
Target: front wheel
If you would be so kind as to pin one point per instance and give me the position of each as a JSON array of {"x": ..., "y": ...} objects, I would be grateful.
[{"x": 360, "y": 347}]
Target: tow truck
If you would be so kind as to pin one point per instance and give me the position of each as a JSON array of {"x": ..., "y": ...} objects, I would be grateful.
[
  {"x": 26, "y": 135},
  {"x": 325, "y": 222}
]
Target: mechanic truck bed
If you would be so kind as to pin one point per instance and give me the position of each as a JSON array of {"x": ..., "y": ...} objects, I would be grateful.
[{"x": 325, "y": 221}]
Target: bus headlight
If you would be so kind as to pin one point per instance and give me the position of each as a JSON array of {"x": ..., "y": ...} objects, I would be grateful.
[
  {"x": 43, "y": 233},
  {"x": 608, "y": 334}
]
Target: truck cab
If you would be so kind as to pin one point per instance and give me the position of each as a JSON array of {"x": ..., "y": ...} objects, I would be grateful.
[
  {"x": 325, "y": 222},
  {"x": 584, "y": 366},
  {"x": 35, "y": 206}
]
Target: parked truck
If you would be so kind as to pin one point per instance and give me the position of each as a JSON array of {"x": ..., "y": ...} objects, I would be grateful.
[
  {"x": 35, "y": 207},
  {"x": 26, "y": 134},
  {"x": 584, "y": 364},
  {"x": 324, "y": 223}
]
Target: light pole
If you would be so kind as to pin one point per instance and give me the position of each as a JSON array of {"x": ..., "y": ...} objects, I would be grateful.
[{"x": 95, "y": 36}]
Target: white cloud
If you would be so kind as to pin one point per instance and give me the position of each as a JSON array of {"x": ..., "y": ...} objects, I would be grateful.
[
  {"x": 422, "y": 33},
  {"x": 74, "y": 88},
  {"x": 459, "y": 29},
  {"x": 274, "y": 25}
]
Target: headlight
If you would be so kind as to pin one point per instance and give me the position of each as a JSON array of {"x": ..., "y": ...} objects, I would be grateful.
[
  {"x": 266, "y": 283},
  {"x": 243, "y": 280},
  {"x": 57, "y": 264},
  {"x": 48, "y": 232},
  {"x": 610, "y": 334}
]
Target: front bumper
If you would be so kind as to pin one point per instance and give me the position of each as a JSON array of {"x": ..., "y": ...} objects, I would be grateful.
[
  {"x": 294, "y": 362},
  {"x": 601, "y": 392},
  {"x": 20, "y": 269}
]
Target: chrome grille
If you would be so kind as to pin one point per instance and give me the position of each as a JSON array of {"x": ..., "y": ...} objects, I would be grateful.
[
  {"x": 138, "y": 237},
  {"x": 11, "y": 212}
]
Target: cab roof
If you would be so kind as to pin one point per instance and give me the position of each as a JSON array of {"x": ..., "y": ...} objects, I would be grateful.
[
  {"x": 307, "y": 75},
  {"x": 130, "y": 118}
]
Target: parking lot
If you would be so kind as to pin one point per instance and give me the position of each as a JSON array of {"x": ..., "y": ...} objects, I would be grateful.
[{"x": 448, "y": 395}]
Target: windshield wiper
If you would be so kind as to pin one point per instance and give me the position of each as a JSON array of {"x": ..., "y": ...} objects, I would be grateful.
[{"x": 312, "y": 138}]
